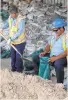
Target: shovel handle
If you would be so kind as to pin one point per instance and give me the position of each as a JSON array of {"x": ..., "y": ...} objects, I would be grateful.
[{"x": 15, "y": 48}]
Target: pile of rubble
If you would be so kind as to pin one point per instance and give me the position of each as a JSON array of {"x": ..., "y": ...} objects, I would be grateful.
[{"x": 27, "y": 87}]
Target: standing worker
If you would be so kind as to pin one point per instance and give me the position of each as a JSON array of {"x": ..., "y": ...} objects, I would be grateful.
[
  {"x": 16, "y": 24},
  {"x": 57, "y": 46}
]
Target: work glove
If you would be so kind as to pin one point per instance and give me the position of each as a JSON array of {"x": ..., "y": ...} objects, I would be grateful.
[{"x": 9, "y": 41}]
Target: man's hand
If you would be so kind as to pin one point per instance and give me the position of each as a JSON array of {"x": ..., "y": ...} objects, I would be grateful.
[
  {"x": 52, "y": 59},
  {"x": 9, "y": 41},
  {"x": 42, "y": 54}
]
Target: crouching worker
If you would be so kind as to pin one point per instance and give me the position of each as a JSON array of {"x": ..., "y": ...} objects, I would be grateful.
[
  {"x": 57, "y": 46},
  {"x": 16, "y": 24}
]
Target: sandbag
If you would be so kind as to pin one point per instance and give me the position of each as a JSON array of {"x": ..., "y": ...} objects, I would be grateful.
[{"x": 44, "y": 68}]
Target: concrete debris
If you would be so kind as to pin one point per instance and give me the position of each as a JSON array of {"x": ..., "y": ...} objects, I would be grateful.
[
  {"x": 3, "y": 43},
  {"x": 62, "y": 13},
  {"x": 27, "y": 87},
  {"x": 30, "y": 48}
]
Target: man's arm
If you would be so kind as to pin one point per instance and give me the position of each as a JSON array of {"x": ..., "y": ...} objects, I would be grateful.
[
  {"x": 46, "y": 50},
  {"x": 62, "y": 55}
]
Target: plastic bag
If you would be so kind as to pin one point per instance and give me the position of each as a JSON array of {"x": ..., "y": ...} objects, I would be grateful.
[{"x": 44, "y": 68}]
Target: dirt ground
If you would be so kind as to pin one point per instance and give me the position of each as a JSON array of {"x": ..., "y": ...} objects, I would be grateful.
[
  {"x": 27, "y": 87},
  {"x": 20, "y": 86},
  {"x": 5, "y": 63}
]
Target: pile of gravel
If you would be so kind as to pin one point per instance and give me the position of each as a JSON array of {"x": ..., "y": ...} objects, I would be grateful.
[{"x": 27, "y": 87}]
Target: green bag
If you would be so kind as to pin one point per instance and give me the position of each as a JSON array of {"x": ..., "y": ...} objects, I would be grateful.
[{"x": 44, "y": 68}]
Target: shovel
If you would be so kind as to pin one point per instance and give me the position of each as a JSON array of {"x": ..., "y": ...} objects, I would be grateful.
[{"x": 15, "y": 49}]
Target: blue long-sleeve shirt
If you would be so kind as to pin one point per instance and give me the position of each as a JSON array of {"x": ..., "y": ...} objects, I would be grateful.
[{"x": 21, "y": 27}]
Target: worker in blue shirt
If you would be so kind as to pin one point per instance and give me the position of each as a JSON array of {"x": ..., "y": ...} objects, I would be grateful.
[
  {"x": 57, "y": 46},
  {"x": 16, "y": 24}
]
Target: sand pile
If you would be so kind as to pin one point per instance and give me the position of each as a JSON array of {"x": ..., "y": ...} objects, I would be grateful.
[{"x": 20, "y": 86}]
